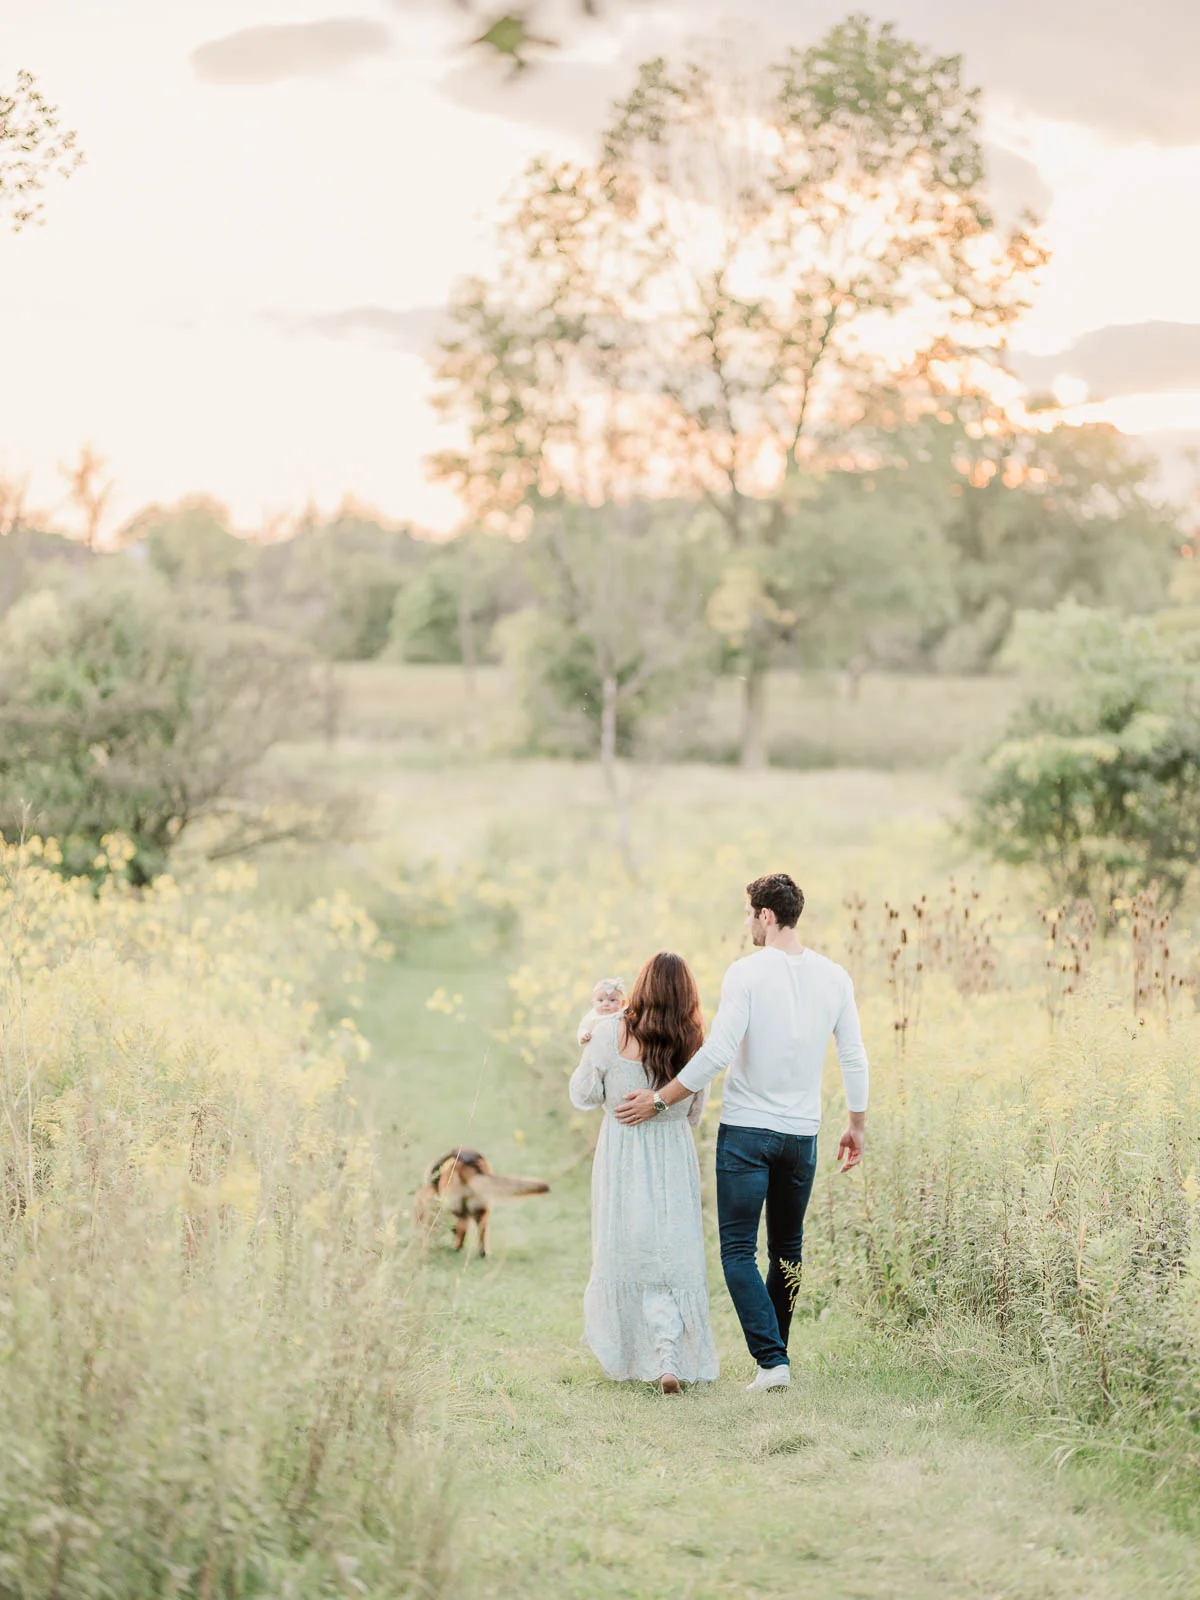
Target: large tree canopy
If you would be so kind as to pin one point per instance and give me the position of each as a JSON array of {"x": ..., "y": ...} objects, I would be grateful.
[{"x": 754, "y": 269}]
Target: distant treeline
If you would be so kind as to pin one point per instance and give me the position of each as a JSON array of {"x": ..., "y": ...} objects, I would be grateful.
[
  {"x": 921, "y": 562},
  {"x": 140, "y": 687}
]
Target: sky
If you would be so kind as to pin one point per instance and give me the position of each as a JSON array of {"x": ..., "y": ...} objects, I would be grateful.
[{"x": 237, "y": 292}]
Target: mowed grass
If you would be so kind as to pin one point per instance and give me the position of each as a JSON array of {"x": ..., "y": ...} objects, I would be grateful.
[
  {"x": 870, "y": 1478},
  {"x": 874, "y": 1476},
  {"x": 890, "y": 721}
]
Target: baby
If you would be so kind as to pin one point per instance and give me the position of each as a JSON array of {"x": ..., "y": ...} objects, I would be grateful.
[{"x": 608, "y": 997}]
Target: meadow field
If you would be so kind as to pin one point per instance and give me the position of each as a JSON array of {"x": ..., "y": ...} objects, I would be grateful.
[
  {"x": 893, "y": 721},
  {"x": 925, "y": 1449},
  {"x": 223, "y": 1091},
  {"x": 763, "y": 464}
]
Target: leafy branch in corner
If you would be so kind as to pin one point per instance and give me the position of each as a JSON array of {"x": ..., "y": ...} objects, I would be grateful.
[{"x": 33, "y": 148}]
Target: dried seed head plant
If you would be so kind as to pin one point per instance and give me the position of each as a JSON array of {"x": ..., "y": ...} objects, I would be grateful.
[
  {"x": 1030, "y": 1190},
  {"x": 1070, "y": 929}
]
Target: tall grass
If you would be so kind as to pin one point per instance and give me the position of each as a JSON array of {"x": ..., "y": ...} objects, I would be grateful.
[
  {"x": 210, "y": 1378},
  {"x": 1029, "y": 1208}
]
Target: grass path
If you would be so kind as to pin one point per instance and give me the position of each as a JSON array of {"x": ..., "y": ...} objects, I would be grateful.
[{"x": 870, "y": 1478}]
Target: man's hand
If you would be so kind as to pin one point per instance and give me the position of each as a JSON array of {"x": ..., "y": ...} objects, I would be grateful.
[
  {"x": 637, "y": 1106},
  {"x": 850, "y": 1146}
]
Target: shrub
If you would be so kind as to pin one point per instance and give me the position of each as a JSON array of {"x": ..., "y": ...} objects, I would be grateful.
[
  {"x": 124, "y": 709},
  {"x": 1096, "y": 781}
]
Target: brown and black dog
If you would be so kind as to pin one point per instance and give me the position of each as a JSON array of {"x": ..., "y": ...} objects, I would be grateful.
[{"x": 463, "y": 1186}]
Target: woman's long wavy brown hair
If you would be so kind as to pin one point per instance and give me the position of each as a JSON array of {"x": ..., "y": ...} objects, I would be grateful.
[{"x": 663, "y": 1015}]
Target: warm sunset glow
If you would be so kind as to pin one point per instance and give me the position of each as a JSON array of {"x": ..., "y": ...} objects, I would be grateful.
[{"x": 196, "y": 285}]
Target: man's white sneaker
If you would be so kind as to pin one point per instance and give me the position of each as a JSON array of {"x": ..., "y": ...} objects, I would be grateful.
[{"x": 771, "y": 1378}]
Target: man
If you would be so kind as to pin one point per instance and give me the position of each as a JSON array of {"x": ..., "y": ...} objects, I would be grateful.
[{"x": 778, "y": 1009}]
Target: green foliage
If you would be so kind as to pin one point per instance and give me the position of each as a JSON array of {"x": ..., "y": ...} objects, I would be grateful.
[
  {"x": 335, "y": 583},
  {"x": 558, "y": 687},
  {"x": 1034, "y": 519},
  {"x": 125, "y": 708},
  {"x": 855, "y": 571},
  {"x": 192, "y": 546},
  {"x": 425, "y": 616},
  {"x": 618, "y": 626},
  {"x": 866, "y": 78},
  {"x": 449, "y": 609},
  {"x": 1097, "y": 779},
  {"x": 34, "y": 558}
]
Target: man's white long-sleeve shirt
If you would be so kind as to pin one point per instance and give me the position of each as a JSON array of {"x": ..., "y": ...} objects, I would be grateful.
[{"x": 772, "y": 1031}]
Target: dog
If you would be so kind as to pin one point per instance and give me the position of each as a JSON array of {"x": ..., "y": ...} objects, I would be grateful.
[{"x": 463, "y": 1186}]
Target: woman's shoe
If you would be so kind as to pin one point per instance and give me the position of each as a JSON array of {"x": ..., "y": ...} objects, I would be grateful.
[{"x": 669, "y": 1384}]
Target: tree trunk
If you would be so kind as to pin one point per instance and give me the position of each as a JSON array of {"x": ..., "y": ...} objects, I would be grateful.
[
  {"x": 853, "y": 676},
  {"x": 466, "y": 637},
  {"x": 612, "y": 776},
  {"x": 754, "y": 716},
  {"x": 331, "y": 702}
]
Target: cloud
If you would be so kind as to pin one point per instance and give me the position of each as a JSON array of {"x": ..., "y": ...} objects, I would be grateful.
[
  {"x": 1127, "y": 359},
  {"x": 1132, "y": 358},
  {"x": 414, "y": 331},
  {"x": 271, "y": 53},
  {"x": 1014, "y": 185},
  {"x": 1125, "y": 70},
  {"x": 572, "y": 97}
]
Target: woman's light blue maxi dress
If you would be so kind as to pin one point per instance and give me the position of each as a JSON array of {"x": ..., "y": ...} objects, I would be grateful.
[{"x": 645, "y": 1309}]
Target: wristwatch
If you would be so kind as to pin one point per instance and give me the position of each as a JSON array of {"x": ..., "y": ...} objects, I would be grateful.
[{"x": 660, "y": 1105}]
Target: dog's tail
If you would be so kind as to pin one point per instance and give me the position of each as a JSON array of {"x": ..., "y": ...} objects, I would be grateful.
[{"x": 493, "y": 1186}]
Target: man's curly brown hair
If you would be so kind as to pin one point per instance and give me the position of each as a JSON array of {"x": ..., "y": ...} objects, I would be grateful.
[{"x": 779, "y": 893}]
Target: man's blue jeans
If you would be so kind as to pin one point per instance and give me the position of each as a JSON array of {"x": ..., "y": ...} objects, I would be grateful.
[{"x": 757, "y": 1168}]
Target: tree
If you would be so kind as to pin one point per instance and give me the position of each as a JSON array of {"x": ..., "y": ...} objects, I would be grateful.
[
  {"x": 14, "y": 539},
  {"x": 859, "y": 574},
  {"x": 1033, "y": 518},
  {"x": 89, "y": 492},
  {"x": 33, "y": 148},
  {"x": 31, "y": 556},
  {"x": 1096, "y": 782},
  {"x": 335, "y": 582},
  {"x": 618, "y": 638},
  {"x": 125, "y": 710},
  {"x": 449, "y": 610},
  {"x": 753, "y": 269},
  {"x": 191, "y": 545}
]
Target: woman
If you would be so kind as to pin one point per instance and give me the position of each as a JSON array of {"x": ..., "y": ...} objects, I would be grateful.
[{"x": 645, "y": 1309}]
